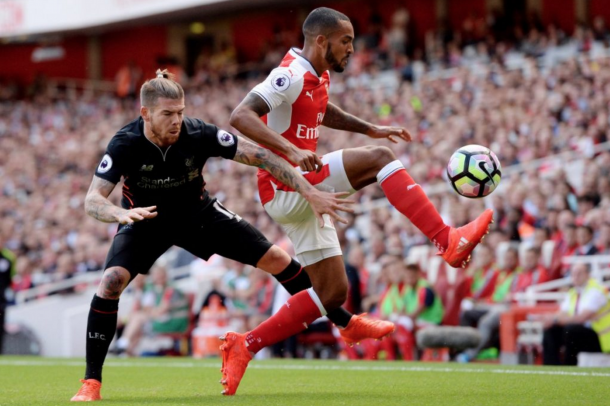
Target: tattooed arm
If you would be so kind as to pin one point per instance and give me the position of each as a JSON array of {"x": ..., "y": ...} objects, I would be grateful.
[
  {"x": 246, "y": 118},
  {"x": 340, "y": 120},
  {"x": 100, "y": 208},
  {"x": 321, "y": 203}
]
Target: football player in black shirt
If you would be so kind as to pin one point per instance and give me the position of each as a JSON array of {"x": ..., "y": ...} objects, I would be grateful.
[{"x": 160, "y": 156}]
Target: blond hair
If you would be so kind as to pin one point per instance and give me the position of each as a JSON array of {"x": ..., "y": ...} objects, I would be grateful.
[{"x": 163, "y": 85}]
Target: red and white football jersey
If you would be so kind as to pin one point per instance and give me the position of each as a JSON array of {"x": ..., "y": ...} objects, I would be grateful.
[{"x": 297, "y": 97}]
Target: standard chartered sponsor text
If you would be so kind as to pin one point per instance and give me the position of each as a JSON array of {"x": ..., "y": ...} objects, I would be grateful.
[{"x": 147, "y": 183}]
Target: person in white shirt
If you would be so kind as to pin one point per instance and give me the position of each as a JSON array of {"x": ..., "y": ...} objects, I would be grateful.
[{"x": 574, "y": 326}]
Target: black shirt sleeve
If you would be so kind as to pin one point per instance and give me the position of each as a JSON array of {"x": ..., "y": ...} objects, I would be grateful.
[
  {"x": 218, "y": 142},
  {"x": 110, "y": 167}
]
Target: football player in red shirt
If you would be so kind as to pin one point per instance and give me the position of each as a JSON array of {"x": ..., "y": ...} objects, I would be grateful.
[{"x": 284, "y": 113}]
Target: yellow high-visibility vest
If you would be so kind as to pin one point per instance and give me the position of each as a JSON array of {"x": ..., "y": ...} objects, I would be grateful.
[{"x": 601, "y": 322}]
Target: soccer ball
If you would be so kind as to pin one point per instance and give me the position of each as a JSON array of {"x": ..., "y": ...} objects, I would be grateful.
[{"x": 474, "y": 171}]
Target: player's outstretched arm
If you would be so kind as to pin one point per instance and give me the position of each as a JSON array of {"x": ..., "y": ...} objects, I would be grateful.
[
  {"x": 246, "y": 119},
  {"x": 340, "y": 120},
  {"x": 321, "y": 202},
  {"x": 100, "y": 208}
]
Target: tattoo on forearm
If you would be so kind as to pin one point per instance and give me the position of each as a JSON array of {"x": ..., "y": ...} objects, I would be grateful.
[
  {"x": 340, "y": 120},
  {"x": 97, "y": 204},
  {"x": 253, "y": 155},
  {"x": 112, "y": 285},
  {"x": 101, "y": 209}
]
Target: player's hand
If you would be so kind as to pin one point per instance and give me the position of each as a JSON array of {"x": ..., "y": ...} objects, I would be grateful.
[
  {"x": 329, "y": 203},
  {"x": 307, "y": 160},
  {"x": 391, "y": 133},
  {"x": 138, "y": 214}
]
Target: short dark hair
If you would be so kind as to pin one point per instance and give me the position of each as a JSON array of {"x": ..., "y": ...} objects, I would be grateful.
[
  {"x": 413, "y": 266},
  {"x": 322, "y": 21}
]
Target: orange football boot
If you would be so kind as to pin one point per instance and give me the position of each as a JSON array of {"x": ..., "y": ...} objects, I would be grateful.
[
  {"x": 235, "y": 359},
  {"x": 89, "y": 392},
  {"x": 464, "y": 239},
  {"x": 360, "y": 328}
]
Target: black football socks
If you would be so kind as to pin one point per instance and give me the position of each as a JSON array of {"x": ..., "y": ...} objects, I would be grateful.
[{"x": 101, "y": 327}]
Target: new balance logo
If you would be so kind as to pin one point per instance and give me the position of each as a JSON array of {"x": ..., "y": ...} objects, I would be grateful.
[
  {"x": 146, "y": 168},
  {"x": 310, "y": 94},
  {"x": 463, "y": 245}
]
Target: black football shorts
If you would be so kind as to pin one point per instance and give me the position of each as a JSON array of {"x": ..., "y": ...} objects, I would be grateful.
[{"x": 215, "y": 230}]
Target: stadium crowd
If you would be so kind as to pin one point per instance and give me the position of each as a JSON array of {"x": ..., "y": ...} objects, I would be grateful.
[{"x": 467, "y": 88}]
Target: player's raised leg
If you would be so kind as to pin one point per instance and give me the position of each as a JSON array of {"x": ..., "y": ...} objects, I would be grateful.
[
  {"x": 366, "y": 165},
  {"x": 101, "y": 327}
]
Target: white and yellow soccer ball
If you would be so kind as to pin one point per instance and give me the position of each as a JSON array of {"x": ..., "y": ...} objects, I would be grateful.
[{"x": 474, "y": 171}]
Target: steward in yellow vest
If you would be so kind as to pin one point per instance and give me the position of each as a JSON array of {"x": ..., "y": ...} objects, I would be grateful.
[{"x": 583, "y": 321}]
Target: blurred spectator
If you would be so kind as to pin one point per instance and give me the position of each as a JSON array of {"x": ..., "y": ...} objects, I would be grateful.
[
  {"x": 398, "y": 35},
  {"x": 64, "y": 270},
  {"x": 566, "y": 246},
  {"x": 127, "y": 80},
  {"x": 136, "y": 290},
  {"x": 582, "y": 323},
  {"x": 259, "y": 298},
  {"x": 472, "y": 287},
  {"x": 390, "y": 303},
  {"x": 357, "y": 278},
  {"x": 482, "y": 274},
  {"x": 236, "y": 287},
  {"x": 212, "y": 323},
  {"x": 486, "y": 317},
  {"x": 411, "y": 303},
  {"x": 7, "y": 269},
  {"x": 171, "y": 63},
  {"x": 22, "y": 280},
  {"x": 603, "y": 239},
  {"x": 223, "y": 64},
  {"x": 600, "y": 31},
  {"x": 533, "y": 271},
  {"x": 165, "y": 309},
  {"x": 584, "y": 239},
  {"x": 384, "y": 278}
]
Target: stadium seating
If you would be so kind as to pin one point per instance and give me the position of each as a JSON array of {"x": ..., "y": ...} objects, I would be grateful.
[{"x": 553, "y": 157}]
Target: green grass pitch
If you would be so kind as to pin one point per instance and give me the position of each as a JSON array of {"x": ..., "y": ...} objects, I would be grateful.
[{"x": 183, "y": 381}]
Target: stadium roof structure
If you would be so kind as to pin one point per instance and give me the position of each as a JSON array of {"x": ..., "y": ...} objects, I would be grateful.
[{"x": 26, "y": 18}]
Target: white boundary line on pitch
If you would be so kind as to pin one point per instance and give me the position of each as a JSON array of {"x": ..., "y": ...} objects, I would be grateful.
[{"x": 342, "y": 367}]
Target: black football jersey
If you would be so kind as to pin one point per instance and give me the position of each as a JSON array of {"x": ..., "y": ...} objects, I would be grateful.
[{"x": 168, "y": 178}]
